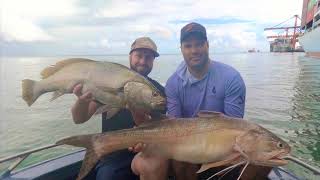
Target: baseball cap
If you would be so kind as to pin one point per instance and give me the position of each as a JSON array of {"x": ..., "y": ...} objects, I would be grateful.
[
  {"x": 193, "y": 28},
  {"x": 146, "y": 43}
]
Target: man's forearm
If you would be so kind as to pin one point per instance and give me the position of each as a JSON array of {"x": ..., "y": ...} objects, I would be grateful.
[{"x": 80, "y": 112}]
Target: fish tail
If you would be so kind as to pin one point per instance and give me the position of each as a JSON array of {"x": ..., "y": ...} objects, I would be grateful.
[
  {"x": 98, "y": 145},
  {"x": 28, "y": 91},
  {"x": 90, "y": 158}
]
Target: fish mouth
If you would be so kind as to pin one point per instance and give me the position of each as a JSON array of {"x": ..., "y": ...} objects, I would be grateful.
[
  {"x": 160, "y": 105},
  {"x": 278, "y": 159}
]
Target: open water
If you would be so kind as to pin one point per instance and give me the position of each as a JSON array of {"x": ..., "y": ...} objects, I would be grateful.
[{"x": 283, "y": 95}]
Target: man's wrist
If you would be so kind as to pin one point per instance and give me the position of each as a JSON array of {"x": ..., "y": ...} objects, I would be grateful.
[{"x": 82, "y": 102}]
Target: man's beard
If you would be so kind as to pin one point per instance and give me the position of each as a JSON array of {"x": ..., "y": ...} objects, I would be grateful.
[
  {"x": 201, "y": 65},
  {"x": 143, "y": 70}
]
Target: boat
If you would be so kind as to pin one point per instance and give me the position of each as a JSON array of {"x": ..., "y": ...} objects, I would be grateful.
[
  {"x": 253, "y": 50},
  {"x": 310, "y": 26},
  {"x": 66, "y": 167},
  {"x": 281, "y": 45},
  {"x": 287, "y": 42}
]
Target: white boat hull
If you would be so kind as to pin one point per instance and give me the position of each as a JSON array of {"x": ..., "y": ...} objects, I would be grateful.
[{"x": 310, "y": 42}]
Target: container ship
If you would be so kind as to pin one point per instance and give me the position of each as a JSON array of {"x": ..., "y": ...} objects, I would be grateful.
[
  {"x": 285, "y": 42},
  {"x": 310, "y": 26}
]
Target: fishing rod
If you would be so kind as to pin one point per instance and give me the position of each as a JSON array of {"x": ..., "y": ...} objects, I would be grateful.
[
  {"x": 21, "y": 157},
  {"x": 26, "y": 153},
  {"x": 315, "y": 170}
]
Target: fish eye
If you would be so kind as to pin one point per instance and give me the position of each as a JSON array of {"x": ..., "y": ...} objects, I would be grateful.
[{"x": 280, "y": 145}]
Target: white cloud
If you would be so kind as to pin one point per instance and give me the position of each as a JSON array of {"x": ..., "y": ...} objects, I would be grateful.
[
  {"x": 154, "y": 17},
  {"x": 232, "y": 37},
  {"x": 92, "y": 44},
  {"x": 105, "y": 43},
  {"x": 115, "y": 24},
  {"x": 102, "y": 44},
  {"x": 161, "y": 31},
  {"x": 164, "y": 11},
  {"x": 261, "y": 11},
  {"x": 39, "y": 8},
  {"x": 20, "y": 29},
  {"x": 120, "y": 8},
  {"x": 19, "y": 18}
]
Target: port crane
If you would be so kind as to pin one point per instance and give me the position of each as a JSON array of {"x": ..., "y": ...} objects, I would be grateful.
[{"x": 292, "y": 37}]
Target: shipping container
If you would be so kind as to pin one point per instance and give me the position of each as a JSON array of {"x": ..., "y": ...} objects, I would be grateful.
[
  {"x": 304, "y": 13},
  {"x": 309, "y": 9}
]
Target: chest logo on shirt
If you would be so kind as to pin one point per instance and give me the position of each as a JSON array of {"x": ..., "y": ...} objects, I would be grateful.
[
  {"x": 214, "y": 90},
  {"x": 241, "y": 100}
]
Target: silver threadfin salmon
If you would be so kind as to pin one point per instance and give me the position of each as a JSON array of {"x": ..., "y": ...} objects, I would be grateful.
[{"x": 212, "y": 139}]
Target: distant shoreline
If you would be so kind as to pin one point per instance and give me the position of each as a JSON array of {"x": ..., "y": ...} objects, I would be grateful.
[
  {"x": 121, "y": 54},
  {"x": 80, "y": 55}
]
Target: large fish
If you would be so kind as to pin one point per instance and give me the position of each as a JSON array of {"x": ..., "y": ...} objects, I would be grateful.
[
  {"x": 212, "y": 139},
  {"x": 113, "y": 85}
]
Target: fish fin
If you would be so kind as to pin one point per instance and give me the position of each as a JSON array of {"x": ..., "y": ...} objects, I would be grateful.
[
  {"x": 48, "y": 71},
  {"x": 140, "y": 117},
  {"x": 209, "y": 114},
  {"x": 56, "y": 94},
  {"x": 90, "y": 159},
  {"x": 29, "y": 92},
  {"x": 111, "y": 103},
  {"x": 157, "y": 116},
  {"x": 231, "y": 159},
  {"x": 146, "y": 124},
  {"x": 114, "y": 91},
  {"x": 102, "y": 109},
  {"x": 227, "y": 170},
  {"x": 111, "y": 112},
  {"x": 205, "y": 167}
]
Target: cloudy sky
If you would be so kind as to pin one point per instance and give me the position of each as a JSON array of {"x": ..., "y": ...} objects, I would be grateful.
[{"x": 82, "y": 27}]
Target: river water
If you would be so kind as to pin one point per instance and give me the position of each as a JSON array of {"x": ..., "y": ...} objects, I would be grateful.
[{"x": 283, "y": 95}]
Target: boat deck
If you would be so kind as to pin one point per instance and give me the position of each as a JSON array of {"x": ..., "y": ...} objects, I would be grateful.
[{"x": 67, "y": 166}]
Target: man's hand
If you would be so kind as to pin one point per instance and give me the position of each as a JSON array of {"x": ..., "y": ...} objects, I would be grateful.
[
  {"x": 86, "y": 97},
  {"x": 84, "y": 107}
]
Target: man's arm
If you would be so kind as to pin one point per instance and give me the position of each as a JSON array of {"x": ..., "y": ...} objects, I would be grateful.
[
  {"x": 235, "y": 96},
  {"x": 173, "y": 101},
  {"x": 84, "y": 107}
]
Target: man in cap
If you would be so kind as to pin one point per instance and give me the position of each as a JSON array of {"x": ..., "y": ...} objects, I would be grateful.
[
  {"x": 118, "y": 164},
  {"x": 199, "y": 83}
]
